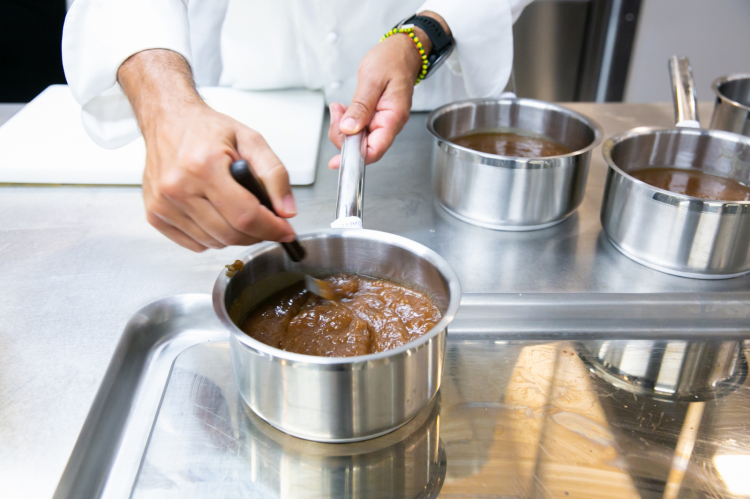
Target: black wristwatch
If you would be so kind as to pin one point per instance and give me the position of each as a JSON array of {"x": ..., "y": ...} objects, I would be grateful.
[{"x": 442, "y": 42}]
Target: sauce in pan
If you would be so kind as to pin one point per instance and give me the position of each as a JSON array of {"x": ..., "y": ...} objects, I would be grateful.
[
  {"x": 370, "y": 316},
  {"x": 517, "y": 144},
  {"x": 694, "y": 183}
]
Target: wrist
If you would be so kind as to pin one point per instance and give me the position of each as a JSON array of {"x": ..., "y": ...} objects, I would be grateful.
[
  {"x": 431, "y": 38},
  {"x": 159, "y": 86},
  {"x": 412, "y": 57},
  {"x": 424, "y": 39},
  {"x": 172, "y": 104}
]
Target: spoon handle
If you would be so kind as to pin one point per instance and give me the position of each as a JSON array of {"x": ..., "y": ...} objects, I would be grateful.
[{"x": 244, "y": 175}]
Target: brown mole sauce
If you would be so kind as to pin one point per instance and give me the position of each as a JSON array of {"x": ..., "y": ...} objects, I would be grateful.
[
  {"x": 694, "y": 183},
  {"x": 518, "y": 145},
  {"x": 371, "y": 316}
]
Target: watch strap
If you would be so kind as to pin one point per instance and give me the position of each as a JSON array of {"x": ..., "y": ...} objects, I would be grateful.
[{"x": 441, "y": 41}]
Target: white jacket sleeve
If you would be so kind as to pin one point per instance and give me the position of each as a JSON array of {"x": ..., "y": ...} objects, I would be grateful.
[
  {"x": 483, "y": 32},
  {"x": 98, "y": 36}
]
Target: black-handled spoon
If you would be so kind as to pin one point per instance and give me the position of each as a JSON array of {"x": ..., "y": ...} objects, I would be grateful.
[{"x": 244, "y": 175}]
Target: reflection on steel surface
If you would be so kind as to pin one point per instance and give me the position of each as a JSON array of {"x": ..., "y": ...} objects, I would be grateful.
[
  {"x": 733, "y": 469},
  {"x": 513, "y": 419},
  {"x": 684, "y": 449},
  {"x": 669, "y": 370},
  {"x": 207, "y": 443},
  {"x": 524, "y": 420}
]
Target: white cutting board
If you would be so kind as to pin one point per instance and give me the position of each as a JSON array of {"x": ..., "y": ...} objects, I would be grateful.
[{"x": 45, "y": 141}]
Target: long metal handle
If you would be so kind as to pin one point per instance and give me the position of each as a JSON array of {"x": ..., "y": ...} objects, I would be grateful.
[
  {"x": 683, "y": 92},
  {"x": 352, "y": 176}
]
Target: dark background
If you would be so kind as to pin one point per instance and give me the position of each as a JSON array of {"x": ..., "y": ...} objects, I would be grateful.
[{"x": 30, "y": 57}]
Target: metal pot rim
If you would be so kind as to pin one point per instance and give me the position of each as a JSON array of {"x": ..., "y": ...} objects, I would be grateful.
[
  {"x": 726, "y": 79},
  {"x": 598, "y": 131},
  {"x": 665, "y": 196},
  {"x": 344, "y": 363}
]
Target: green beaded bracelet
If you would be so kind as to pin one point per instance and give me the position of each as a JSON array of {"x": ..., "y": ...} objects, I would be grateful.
[{"x": 410, "y": 31}]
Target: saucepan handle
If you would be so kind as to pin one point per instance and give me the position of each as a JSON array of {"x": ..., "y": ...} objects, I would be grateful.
[
  {"x": 351, "y": 182},
  {"x": 245, "y": 176},
  {"x": 683, "y": 92}
]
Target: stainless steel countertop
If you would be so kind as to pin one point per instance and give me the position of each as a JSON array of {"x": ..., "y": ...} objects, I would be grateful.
[{"x": 76, "y": 262}]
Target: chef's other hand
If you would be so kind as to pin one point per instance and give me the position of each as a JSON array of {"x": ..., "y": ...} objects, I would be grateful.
[
  {"x": 189, "y": 194},
  {"x": 382, "y": 99}
]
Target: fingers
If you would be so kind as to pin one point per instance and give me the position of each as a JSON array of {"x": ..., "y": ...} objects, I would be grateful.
[
  {"x": 335, "y": 162},
  {"x": 334, "y": 133},
  {"x": 178, "y": 236},
  {"x": 379, "y": 140},
  {"x": 243, "y": 212},
  {"x": 219, "y": 214},
  {"x": 233, "y": 219},
  {"x": 264, "y": 162},
  {"x": 190, "y": 195},
  {"x": 382, "y": 100},
  {"x": 170, "y": 221},
  {"x": 208, "y": 218},
  {"x": 391, "y": 116},
  {"x": 384, "y": 127},
  {"x": 362, "y": 107}
]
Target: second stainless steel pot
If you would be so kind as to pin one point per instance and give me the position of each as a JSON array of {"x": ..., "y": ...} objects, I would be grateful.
[
  {"x": 349, "y": 398},
  {"x": 670, "y": 232},
  {"x": 511, "y": 193}
]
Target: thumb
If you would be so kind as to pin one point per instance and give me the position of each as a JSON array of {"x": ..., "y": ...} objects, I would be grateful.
[
  {"x": 334, "y": 132},
  {"x": 366, "y": 97}
]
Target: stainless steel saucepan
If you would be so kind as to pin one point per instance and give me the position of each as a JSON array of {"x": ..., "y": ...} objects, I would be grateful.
[
  {"x": 510, "y": 193},
  {"x": 732, "y": 108},
  {"x": 675, "y": 233},
  {"x": 338, "y": 399}
]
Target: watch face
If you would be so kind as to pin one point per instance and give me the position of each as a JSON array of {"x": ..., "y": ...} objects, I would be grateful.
[
  {"x": 404, "y": 21},
  {"x": 438, "y": 62}
]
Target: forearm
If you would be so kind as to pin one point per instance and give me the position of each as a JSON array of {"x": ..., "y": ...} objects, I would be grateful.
[{"x": 158, "y": 83}]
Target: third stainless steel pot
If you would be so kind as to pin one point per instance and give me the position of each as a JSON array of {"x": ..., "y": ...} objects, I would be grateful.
[
  {"x": 511, "y": 193},
  {"x": 732, "y": 108},
  {"x": 349, "y": 398},
  {"x": 667, "y": 231}
]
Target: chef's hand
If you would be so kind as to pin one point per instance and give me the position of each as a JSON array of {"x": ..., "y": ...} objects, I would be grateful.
[
  {"x": 189, "y": 194},
  {"x": 382, "y": 99}
]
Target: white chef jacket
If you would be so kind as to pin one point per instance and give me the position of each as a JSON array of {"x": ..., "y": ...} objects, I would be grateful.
[{"x": 273, "y": 44}]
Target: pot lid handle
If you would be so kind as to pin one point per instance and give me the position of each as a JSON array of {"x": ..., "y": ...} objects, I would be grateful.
[{"x": 351, "y": 181}]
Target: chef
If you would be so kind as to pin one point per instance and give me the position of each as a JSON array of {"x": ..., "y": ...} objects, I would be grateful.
[{"x": 134, "y": 67}]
